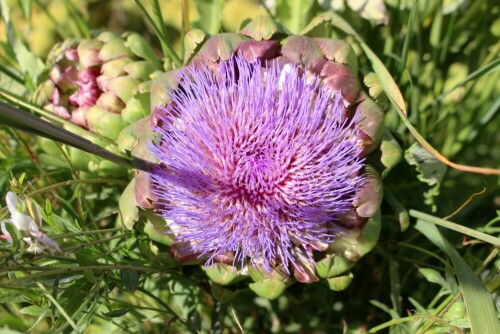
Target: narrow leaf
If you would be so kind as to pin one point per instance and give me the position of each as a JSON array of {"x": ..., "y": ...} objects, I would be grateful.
[
  {"x": 211, "y": 21},
  {"x": 456, "y": 227},
  {"x": 130, "y": 279},
  {"x": 480, "y": 307},
  {"x": 29, "y": 63}
]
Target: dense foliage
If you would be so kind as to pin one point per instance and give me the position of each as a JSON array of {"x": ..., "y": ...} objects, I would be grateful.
[{"x": 83, "y": 250}]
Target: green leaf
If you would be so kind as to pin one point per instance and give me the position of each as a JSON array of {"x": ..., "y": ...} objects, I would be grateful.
[
  {"x": 130, "y": 279},
  {"x": 157, "y": 230},
  {"x": 433, "y": 276},
  {"x": 117, "y": 313},
  {"x": 456, "y": 227},
  {"x": 18, "y": 245},
  {"x": 29, "y": 63},
  {"x": 320, "y": 26},
  {"x": 341, "y": 282},
  {"x": 221, "y": 273},
  {"x": 480, "y": 308},
  {"x": 391, "y": 152},
  {"x": 35, "y": 310},
  {"x": 430, "y": 169},
  {"x": 211, "y": 18},
  {"x": 128, "y": 209},
  {"x": 26, "y": 8},
  {"x": 268, "y": 288},
  {"x": 141, "y": 48},
  {"x": 74, "y": 299},
  {"x": 385, "y": 308},
  {"x": 294, "y": 14}
]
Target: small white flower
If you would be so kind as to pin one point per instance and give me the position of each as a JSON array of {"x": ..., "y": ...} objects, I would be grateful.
[{"x": 28, "y": 225}]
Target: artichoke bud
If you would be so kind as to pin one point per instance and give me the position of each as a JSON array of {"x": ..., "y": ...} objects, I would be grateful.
[
  {"x": 100, "y": 84},
  {"x": 88, "y": 53},
  {"x": 110, "y": 102},
  {"x": 140, "y": 70},
  {"x": 115, "y": 68},
  {"x": 114, "y": 49}
]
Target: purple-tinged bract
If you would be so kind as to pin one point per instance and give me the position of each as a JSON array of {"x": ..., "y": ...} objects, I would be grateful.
[{"x": 256, "y": 160}]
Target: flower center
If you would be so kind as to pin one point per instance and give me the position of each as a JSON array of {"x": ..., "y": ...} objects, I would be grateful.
[{"x": 255, "y": 174}]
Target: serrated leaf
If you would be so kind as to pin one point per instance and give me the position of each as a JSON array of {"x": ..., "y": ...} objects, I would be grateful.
[
  {"x": 192, "y": 43},
  {"x": 391, "y": 152},
  {"x": 430, "y": 169}
]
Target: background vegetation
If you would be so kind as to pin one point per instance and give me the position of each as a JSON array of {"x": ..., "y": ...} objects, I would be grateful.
[{"x": 426, "y": 275}]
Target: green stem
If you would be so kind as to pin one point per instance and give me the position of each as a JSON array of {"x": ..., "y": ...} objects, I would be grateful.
[
  {"x": 414, "y": 318},
  {"x": 58, "y": 306},
  {"x": 423, "y": 250},
  {"x": 77, "y": 234},
  {"x": 66, "y": 184},
  {"x": 70, "y": 270},
  {"x": 159, "y": 301},
  {"x": 166, "y": 48},
  {"x": 441, "y": 310},
  {"x": 70, "y": 182},
  {"x": 95, "y": 242}
]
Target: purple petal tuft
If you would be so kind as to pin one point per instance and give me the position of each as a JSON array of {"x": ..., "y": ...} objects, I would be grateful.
[{"x": 256, "y": 160}]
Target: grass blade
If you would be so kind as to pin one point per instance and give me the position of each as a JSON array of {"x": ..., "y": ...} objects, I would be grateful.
[
  {"x": 480, "y": 308},
  {"x": 456, "y": 227},
  {"x": 165, "y": 46},
  {"x": 406, "y": 45}
]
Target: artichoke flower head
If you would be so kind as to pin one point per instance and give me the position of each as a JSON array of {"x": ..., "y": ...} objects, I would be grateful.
[{"x": 261, "y": 144}]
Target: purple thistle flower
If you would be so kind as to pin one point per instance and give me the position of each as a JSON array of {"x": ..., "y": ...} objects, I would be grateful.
[{"x": 255, "y": 161}]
